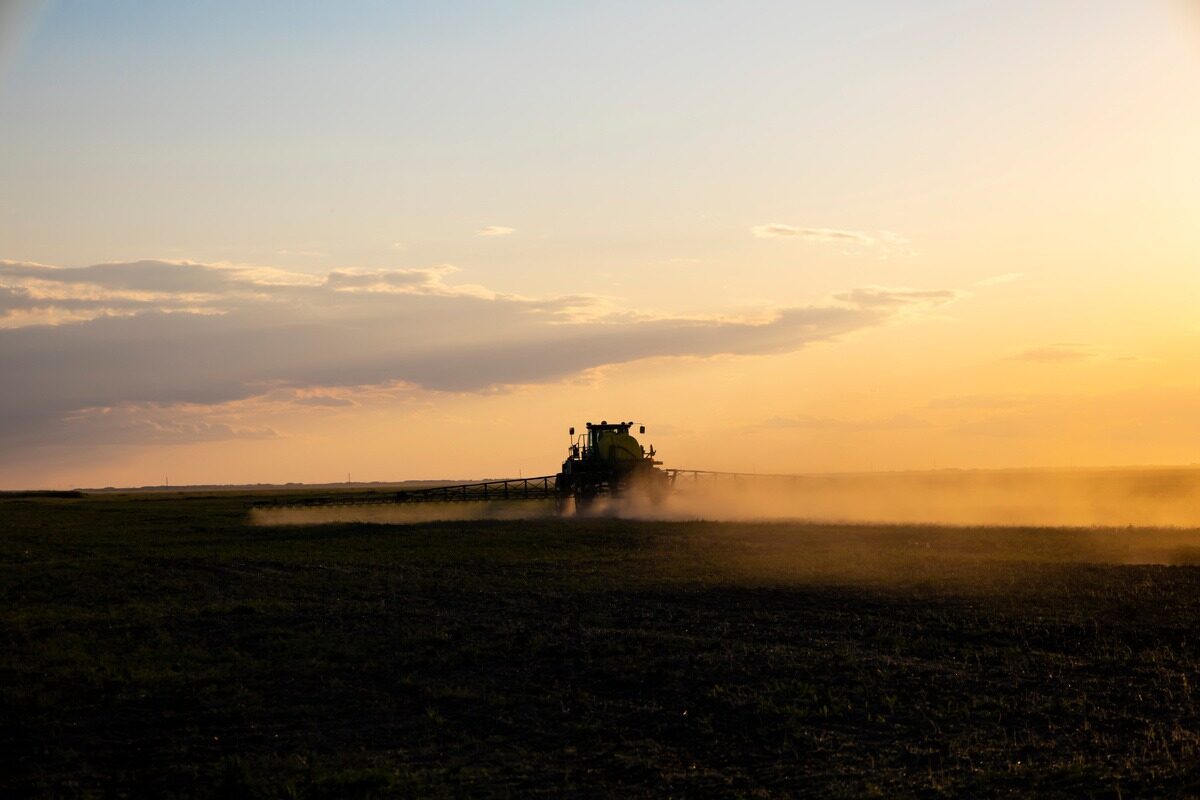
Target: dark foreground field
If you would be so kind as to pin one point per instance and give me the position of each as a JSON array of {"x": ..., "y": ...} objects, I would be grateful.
[{"x": 164, "y": 647}]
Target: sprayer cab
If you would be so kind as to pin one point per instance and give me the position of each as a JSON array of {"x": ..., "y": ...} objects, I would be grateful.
[
  {"x": 609, "y": 443},
  {"x": 606, "y": 459}
]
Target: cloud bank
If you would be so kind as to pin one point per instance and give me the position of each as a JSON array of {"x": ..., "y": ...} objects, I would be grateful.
[{"x": 101, "y": 347}]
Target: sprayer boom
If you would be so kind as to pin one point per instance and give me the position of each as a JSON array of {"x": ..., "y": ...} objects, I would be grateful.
[{"x": 606, "y": 460}]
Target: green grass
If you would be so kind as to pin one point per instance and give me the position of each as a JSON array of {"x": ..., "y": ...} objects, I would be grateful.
[{"x": 161, "y": 646}]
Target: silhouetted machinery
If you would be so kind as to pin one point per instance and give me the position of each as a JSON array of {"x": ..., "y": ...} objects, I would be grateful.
[{"x": 607, "y": 460}]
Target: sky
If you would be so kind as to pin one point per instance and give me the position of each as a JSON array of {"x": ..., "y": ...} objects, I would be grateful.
[{"x": 289, "y": 241}]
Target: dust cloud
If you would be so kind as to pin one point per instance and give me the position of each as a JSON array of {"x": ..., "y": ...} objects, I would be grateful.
[
  {"x": 1072, "y": 498},
  {"x": 966, "y": 529}
]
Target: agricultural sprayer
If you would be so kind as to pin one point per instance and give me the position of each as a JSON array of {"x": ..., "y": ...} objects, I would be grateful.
[{"x": 605, "y": 460}]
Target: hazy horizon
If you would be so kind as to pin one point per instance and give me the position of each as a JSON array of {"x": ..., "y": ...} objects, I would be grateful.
[{"x": 168, "y": 485}]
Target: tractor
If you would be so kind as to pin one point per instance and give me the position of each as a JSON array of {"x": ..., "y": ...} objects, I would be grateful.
[{"x": 607, "y": 460}]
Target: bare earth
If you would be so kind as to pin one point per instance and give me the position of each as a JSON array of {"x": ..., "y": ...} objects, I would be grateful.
[{"x": 162, "y": 645}]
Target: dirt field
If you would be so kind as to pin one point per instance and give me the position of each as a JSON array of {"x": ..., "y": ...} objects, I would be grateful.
[{"x": 163, "y": 646}]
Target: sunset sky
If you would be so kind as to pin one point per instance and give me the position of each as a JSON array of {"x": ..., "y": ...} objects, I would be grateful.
[{"x": 267, "y": 242}]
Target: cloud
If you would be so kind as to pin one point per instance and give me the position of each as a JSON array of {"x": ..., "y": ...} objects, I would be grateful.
[
  {"x": 150, "y": 337},
  {"x": 996, "y": 280},
  {"x": 389, "y": 280},
  {"x": 883, "y": 297},
  {"x": 149, "y": 423},
  {"x": 495, "y": 230},
  {"x": 883, "y": 244},
  {"x": 1062, "y": 351},
  {"x": 154, "y": 276},
  {"x": 777, "y": 230},
  {"x": 321, "y": 401}
]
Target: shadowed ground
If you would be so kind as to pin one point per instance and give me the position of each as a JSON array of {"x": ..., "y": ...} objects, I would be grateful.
[{"x": 162, "y": 646}]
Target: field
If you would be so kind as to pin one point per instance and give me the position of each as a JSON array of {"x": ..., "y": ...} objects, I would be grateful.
[{"x": 161, "y": 645}]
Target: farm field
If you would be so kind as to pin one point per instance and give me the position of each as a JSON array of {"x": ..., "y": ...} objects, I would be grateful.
[{"x": 162, "y": 645}]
